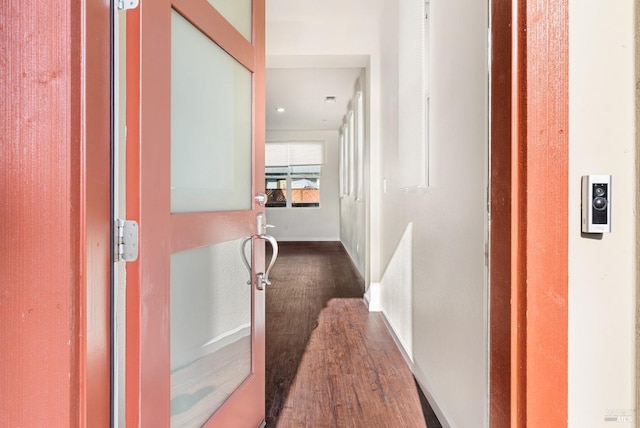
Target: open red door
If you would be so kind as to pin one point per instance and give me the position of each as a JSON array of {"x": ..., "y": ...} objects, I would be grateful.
[{"x": 195, "y": 164}]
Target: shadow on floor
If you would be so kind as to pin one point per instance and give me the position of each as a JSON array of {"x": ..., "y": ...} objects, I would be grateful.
[
  {"x": 429, "y": 415},
  {"x": 306, "y": 276}
]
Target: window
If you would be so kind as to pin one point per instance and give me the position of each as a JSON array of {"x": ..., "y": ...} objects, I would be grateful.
[
  {"x": 352, "y": 148},
  {"x": 292, "y": 174},
  {"x": 413, "y": 89},
  {"x": 359, "y": 146},
  {"x": 351, "y": 159},
  {"x": 276, "y": 186},
  {"x": 343, "y": 161},
  {"x": 347, "y": 155},
  {"x": 295, "y": 186}
]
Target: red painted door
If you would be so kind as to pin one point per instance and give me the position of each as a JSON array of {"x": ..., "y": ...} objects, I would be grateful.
[{"x": 195, "y": 162}]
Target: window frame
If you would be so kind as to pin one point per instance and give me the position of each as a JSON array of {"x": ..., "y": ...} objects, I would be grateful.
[{"x": 290, "y": 175}]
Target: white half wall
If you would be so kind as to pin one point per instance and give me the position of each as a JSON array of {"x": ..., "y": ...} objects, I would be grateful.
[
  {"x": 602, "y": 279},
  {"x": 311, "y": 224}
]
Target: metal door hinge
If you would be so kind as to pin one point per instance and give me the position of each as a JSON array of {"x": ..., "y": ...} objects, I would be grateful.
[
  {"x": 127, "y": 4},
  {"x": 126, "y": 240}
]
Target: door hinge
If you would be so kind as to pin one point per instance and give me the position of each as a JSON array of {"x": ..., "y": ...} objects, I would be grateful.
[
  {"x": 126, "y": 240},
  {"x": 127, "y": 4}
]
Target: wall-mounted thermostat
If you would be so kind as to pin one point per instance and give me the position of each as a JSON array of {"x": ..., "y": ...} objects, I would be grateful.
[{"x": 596, "y": 203}]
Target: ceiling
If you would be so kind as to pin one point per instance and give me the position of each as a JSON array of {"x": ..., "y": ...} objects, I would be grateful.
[
  {"x": 302, "y": 93},
  {"x": 301, "y": 90},
  {"x": 286, "y": 10}
]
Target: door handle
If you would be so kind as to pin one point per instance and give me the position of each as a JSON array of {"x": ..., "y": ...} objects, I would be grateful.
[
  {"x": 263, "y": 278},
  {"x": 243, "y": 253}
]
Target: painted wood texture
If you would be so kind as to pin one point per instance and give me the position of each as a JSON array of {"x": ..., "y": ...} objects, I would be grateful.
[
  {"x": 54, "y": 369},
  {"x": 518, "y": 218},
  {"x": 540, "y": 241},
  {"x": 500, "y": 239},
  {"x": 96, "y": 144},
  {"x": 148, "y": 203},
  {"x": 40, "y": 170}
]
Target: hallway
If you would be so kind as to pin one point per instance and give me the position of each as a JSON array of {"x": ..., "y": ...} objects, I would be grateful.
[{"x": 331, "y": 363}]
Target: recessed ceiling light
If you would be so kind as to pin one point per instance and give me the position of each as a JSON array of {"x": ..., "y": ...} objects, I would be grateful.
[
  {"x": 280, "y": 109},
  {"x": 330, "y": 99}
]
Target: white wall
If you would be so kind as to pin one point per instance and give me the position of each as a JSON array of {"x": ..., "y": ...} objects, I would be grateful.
[
  {"x": 436, "y": 300},
  {"x": 440, "y": 310},
  {"x": 602, "y": 272},
  {"x": 318, "y": 42},
  {"x": 311, "y": 224}
]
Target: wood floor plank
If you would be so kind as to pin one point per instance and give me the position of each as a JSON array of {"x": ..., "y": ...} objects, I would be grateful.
[
  {"x": 331, "y": 363},
  {"x": 343, "y": 382},
  {"x": 305, "y": 278}
]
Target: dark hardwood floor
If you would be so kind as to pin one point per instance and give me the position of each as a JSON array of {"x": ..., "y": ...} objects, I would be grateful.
[
  {"x": 306, "y": 276},
  {"x": 331, "y": 363}
]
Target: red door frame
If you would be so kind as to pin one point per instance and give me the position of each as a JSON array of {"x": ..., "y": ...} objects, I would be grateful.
[
  {"x": 539, "y": 250},
  {"x": 148, "y": 134},
  {"x": 500, "y": 230},
  {"x": 55, "y": 182},
  {"x": 529, "y": 250}
]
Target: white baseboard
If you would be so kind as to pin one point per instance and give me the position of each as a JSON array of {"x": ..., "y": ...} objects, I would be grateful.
[
  {"x": 426, "y": 389},
  {"x": 417, "y": 373},
  {"x": 226, "y": 338},
  {"x": 406, "y": 354},
  {"x": 307, "y": 239},
  {"x": 372, "y": 297},
  {"x": 215, "y": 344}
]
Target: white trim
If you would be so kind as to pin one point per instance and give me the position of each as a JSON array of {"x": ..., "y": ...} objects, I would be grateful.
[
  {"x": 235, "y": 334},
  {"x": 406, "y": 353},
  {"x": 218, "y": 343},
  {"x": 426, "y": 390},
  {"x": 309, "y": 239},
  {"x": 372, "y": 297}
]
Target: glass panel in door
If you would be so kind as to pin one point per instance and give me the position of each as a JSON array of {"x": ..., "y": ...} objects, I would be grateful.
[
  {"x": 210, "y": 124},
  {"x": 237, "y": 12},
  {"x": 210, "y": 329}
]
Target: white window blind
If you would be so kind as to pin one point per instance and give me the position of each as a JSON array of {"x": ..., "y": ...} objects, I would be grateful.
[{"x": 294, "y": 153}]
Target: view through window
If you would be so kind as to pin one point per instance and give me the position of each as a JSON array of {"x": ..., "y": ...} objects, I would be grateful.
[
  {"x": 292, "y": 174},
  {"x": 295, "y": 186}
]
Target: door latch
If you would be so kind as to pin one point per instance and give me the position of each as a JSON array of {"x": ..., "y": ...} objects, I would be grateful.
[
  {"x": 261, "y": 198},
  {"x": 127, "y": 4}
]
